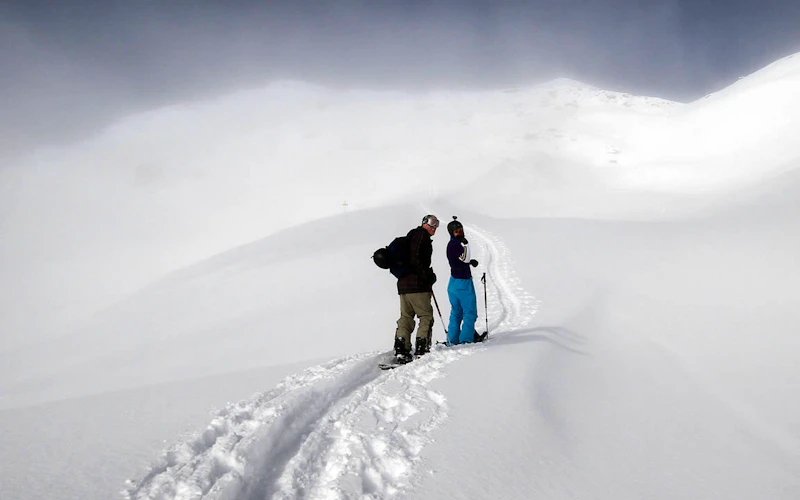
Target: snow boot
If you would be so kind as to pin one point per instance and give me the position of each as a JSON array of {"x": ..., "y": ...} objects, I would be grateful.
[
  {"x": 402, "y": 354},
  {"x": 480, "y": 337},
  {"x": 423, "y": 347}
]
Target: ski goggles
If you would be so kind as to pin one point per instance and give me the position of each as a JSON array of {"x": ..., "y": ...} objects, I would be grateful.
[{"x": 430, "y": 220}]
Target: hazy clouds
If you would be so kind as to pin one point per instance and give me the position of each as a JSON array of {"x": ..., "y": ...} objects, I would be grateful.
[{"x": 68, "y": 67}]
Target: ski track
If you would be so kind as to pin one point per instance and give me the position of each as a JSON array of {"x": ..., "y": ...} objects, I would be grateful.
[{"x": 343, "y": 429}]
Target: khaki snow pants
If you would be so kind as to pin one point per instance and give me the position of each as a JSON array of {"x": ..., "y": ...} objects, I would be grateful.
[{"x": 415, "y": 304}]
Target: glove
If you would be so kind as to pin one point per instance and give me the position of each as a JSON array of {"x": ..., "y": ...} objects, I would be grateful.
[
  {"x": 463, "y": 240},
  {"x": 473, "y": 263},
  {"x": 432, "y": 278}
]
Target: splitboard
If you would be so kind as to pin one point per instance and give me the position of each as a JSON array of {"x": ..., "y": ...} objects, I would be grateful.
[
  {"x": 483, "y": 337},
  {"x": 390, "y": 366},
  {"x": 479, "y": 337},
  {"x": 393, "y": 364}
]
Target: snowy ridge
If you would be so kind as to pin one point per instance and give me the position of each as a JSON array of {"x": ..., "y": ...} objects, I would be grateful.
[
  {"x": 343, "y": 429},
  {"x": 565, "y": 93}
]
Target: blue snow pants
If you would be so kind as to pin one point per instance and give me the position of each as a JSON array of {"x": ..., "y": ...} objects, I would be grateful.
[{"x": 463, "y": 307}]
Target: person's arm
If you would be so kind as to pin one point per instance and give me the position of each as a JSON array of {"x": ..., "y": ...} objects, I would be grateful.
[
  {"x": 454, "y": 251},
  {"x": 464, "y": 257},
  {"x": 460, "y": 252},
  {"x": 417, "y": 255}
]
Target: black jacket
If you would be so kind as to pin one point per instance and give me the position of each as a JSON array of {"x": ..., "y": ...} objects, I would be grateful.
[{"x": 420, "y": 276}]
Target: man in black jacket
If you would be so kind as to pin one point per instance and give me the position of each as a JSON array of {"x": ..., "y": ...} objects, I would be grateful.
[{"x": 415, "y": 290}]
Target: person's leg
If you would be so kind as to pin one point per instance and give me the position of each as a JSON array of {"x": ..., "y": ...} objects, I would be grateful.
[
  {"x": 456, "y": 313},
  {"x": 405, "y": 325},
  {"x": 421, "y": 303},
  {"x": 469, "y": 304}
]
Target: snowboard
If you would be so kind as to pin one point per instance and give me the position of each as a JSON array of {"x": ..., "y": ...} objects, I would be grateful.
[
  {"x": 482, "y": 337},
  {"x": 392, "y": 364}
]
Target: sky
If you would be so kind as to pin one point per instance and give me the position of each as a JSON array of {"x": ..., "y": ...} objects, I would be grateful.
[
  {"x": 72, "y": 68},
  {"x": 642, "y": 265}
]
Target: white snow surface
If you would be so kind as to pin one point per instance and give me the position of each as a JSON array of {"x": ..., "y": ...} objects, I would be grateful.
[
  {"x": 343, "y": 428},
  {"x": 642, "y": 267}
]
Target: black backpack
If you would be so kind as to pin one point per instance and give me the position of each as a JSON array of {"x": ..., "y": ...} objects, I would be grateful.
[{"x": 394, "y": 256}]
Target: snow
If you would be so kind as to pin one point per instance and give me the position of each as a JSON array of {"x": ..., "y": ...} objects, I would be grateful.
[{"x": 641, "y": 260}]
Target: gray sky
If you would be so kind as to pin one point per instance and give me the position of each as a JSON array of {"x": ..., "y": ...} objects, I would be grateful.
[{"x": 67, "y": 68}]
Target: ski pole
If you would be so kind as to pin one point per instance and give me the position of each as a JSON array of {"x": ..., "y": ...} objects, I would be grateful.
[
  {"x": 440, "y": 313},
  {"x": 485, "y": 303}
]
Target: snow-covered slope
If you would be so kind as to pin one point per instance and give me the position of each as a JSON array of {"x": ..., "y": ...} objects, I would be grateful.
[
  {"x": 728, "y": 139},
  {"x": 634, "y": 354},
  {"x": 647, "y": 373},
  {"x": 253, "y": 306},
  {"x": 341, "y": 428},
  {"x": 174, "y": 186}
]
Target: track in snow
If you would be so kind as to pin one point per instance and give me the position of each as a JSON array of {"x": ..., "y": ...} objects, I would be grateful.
[{"x": 343, "y": 429}]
